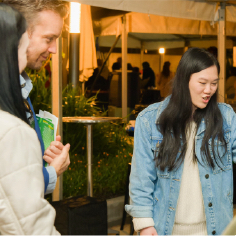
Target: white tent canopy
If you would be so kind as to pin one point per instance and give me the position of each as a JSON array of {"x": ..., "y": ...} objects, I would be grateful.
[
  {"x": 146, "y": 23},
  {"x": 157, "y": 31},
  {"x": 188, "y": 9}
]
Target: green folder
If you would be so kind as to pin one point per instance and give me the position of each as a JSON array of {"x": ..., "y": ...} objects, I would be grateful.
[{"x": 47, "y": 131}]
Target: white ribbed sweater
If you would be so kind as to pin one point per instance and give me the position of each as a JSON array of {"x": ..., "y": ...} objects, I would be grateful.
[{"x": 190, "y": 215}]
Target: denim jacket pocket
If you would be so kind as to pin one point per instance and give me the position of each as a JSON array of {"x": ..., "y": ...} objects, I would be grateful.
[
  {"x": 225, "y": 156},
  {"x": 155, "y": 149}
]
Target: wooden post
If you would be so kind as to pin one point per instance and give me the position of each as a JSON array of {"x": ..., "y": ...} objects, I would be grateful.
[
  {"x": 124, "y": 69},
  {"x": 57, "y": 106},
  {"x": 222, "y": 52}
]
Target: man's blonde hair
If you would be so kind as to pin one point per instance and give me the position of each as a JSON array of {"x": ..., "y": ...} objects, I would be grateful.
[{"x": 30, "y": 8}]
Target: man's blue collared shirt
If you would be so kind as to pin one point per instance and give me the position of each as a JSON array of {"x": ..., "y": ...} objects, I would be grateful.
[{"x": 26, "y": 87}]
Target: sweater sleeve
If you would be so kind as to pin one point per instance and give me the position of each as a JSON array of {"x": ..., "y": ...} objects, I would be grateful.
[
  {"x": 23, "y": 207},
  {"x": 142, "y": 223}
]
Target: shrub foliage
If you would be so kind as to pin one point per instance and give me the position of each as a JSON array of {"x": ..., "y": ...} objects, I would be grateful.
[{"x": 112, "y": 148}]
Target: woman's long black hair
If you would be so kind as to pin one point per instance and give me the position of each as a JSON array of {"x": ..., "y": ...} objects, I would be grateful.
[
  {"x": 176, "y": 117},
  {"x": 12, "y": 27}
]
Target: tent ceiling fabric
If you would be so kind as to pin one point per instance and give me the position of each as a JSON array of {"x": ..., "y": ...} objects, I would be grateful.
[
  {"x": 146, "y": 22},
  {"x": 157, "y": 31},
  {"x": 167, "y": 37},
  {"x": 153, "y": 24},
  {"x": 188, "y": 9},
  {"x": 205, "y": 10}
]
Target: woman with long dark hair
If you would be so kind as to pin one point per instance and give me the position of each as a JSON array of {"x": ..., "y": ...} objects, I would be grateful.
[
  {"x": 12, "y": 28},
  {"x": 164, "y": 80},
  {"x": 181, "y": 178},
  {"x": 23, "y": 209}
]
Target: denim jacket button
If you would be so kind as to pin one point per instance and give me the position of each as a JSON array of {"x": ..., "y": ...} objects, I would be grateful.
[
  {"x": 210, "y": 204},
  {"x": 206, "y": 176},
  {"x": 213, "y": 232}
]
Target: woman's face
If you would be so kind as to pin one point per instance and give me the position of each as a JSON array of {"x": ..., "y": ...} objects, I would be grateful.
[
  {"x": 22, "y": 51},
  {"x": 202, "y": 86}
]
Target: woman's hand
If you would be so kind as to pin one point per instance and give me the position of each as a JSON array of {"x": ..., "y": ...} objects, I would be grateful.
[{"x": 148, "y": 231}]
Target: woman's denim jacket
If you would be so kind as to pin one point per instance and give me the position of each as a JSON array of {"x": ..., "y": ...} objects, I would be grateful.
[{"x": 154, "y": 193}]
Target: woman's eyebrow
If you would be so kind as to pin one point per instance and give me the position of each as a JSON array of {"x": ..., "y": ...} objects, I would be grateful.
[{"x": 207, "y": 79}]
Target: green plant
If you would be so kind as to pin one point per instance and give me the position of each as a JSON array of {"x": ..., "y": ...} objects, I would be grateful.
[
  {"x": 41, "y": 96},
  {"x": 111, "y": 155},
  {"x": 112, "y": 148}
]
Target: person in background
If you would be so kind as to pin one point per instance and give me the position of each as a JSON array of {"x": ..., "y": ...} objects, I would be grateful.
[
  {"x": 213, "y": 50},
  {"x": 164, "y": 80},
  {"x": 133, "y": 89},
  {"x": 23, "y": 209},
  {"x": 101, "y": 82},
  {"x": 181, "y": 180},
  {"x": 129, "y": 67},
  {"x": 119, "y": 61},
  {"x": 230, "y": 84},
  {"x": 105, "y": 71},
  {"x": 44, "y": 25},
  {"x": 148, "y": 73},
  {"x": 117, "y": 65}
]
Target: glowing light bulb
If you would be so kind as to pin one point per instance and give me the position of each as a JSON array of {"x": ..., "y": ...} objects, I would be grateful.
[
  {"x": 161, "y": 50},
  {"x": 75, "y": 14}
]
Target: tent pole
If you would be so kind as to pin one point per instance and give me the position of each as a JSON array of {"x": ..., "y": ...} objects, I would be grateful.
[
  {"x": 74, "y": 59},
  {"x": 103, "y": 65},
  {"x": 222, "y": 52},
  {"x": 57, "y": 106},
  {"x": 124, "y": 69}
]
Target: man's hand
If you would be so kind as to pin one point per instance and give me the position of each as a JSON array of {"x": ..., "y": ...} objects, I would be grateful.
[
  {"x": 57, "y": 156},
  {"x": 148, "y": 231},
  {"x": 53, "y": 150},
  {"x": 62, "y": 161}
]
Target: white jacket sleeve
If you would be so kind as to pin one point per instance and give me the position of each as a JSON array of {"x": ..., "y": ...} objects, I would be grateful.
[{"x": 23, "y": 209}]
